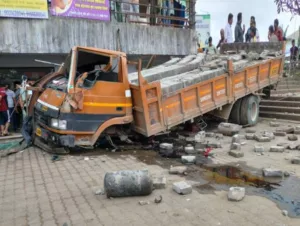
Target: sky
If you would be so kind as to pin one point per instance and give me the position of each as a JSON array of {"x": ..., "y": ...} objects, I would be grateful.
[{"x": 265, "y": 11}]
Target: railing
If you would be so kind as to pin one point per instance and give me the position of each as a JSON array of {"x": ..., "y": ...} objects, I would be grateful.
[{"x": 154, "y": 15}]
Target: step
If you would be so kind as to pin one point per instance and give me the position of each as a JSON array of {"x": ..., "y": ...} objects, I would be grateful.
[
  {"x": 266, "y": 114},
  {"x": 282, "y": 91},
  {"x": 280, "y": 109},
  {"x": 281, "y": 98},
  {"x": 280, "y": 103}
]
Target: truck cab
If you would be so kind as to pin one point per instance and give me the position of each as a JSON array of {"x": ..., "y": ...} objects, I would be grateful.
[{"x": 88, "y": 94}]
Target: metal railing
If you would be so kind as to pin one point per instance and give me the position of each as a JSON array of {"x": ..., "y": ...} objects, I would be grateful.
[{"x": 154, "y": 15}]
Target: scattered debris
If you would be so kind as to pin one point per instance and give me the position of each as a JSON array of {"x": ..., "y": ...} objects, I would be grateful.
[
  {"x": 188, "y": 159},
  {"x": 177, "y": 169},
  {"x": 159, "y": 182},
  {"x": 292, "y": 137},
  {"x": 274, "y": 124},
  {"x": 143, "y": 203},
  {"x": 295, "y": 160},
  {"x": 271, "y": 172},
  {"x": 285, "y": 129},
  {"x": 292, "y": 146},
  {"x": 182, "y": 188},
  {"x": 236, "y": 193},
  {"x": 236, "y": 139},
  {"x": 277, "y": 149},
  {"x": 280, "y": 133},
  {"x": 158, "y": 200},
  {"x": 235, "y": 146},
  {"x": 128, "y": 183},
  {"x": 219, "y": 136},
  {"x": 86, "y": 158},
  {"x": 210, "y": 134},
  {"x": 200, "y": 137},
  {"x": 268, "y": 134},
  {"x": 236, "y": 153},
  {"x": 166, "y": 146},
  {"x": 285, "y": 213},
  {"x": 259, "y": 148},
  {"x": 100, "y": 192},
  {"x": 286, "y": 174},
  {"x": 261, "y": 138},
  {"x": 229, "y": 129},
  {"x": 285, "y": 145}
]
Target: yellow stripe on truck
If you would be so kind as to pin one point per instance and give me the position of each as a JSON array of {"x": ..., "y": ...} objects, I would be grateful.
[{"x": 92, "y": 104}]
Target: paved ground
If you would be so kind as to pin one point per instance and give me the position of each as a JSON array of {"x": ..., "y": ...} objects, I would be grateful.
[{"x": 36, "y": 191}]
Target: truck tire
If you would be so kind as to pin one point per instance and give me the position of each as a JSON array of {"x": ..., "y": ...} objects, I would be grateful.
[
  {"x": 249, "y": 110},
  {"x": 235, "y": 114}
]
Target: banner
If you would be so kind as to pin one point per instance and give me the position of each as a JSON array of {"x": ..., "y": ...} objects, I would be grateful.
[
  {"x": 203, "y": 29},
  {"x": 90, "y": 9},
  {"x": 24, "y": 8}
]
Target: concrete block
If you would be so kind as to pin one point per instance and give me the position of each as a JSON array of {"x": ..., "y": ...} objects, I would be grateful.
[
  {"x": 292, "y": 146},
  {"x": 236, "y": 139},
  {"x": 159, "y": 182},
  {"x": 215, "y": 144},
  {"x": 200, "y": 137},
  {"x": 260, "y": 138},
  {"x": 297, "y": 132},
  {"x": 177, "y": 169},
  {"x": 268, "y": 134},
  {"x": 236, "y": 153},
  {"x": 189, "y": 149},
  {"x": 280, "y": 133},
  {"x": 295, "y": 160},
  {"x": 286, "y": 129},
  {"x": 229, "y": 129},
  {"x": 210, "y": 134},
  {"x": 271, "y": 172},
  {"x": 235, "y": 146},
  {"x": 249, "y": 130},
  {"x": 292, "y": 137},
  {"x": 236, "y": 193},
  {"x": 182, "y": 188},
  {"x": 188, "y": 159},
  {"x": 277, "y": 149},
  {"x": 250, "y": 136},
  {"x": 166, "y": 146},
  {"x": 259, "y": 148},
  {"x": 274, "y": 124},
  {"x": 285, "y": 145}
]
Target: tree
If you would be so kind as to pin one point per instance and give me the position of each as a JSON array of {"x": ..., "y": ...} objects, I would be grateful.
[{"x": 292, "y": 6}]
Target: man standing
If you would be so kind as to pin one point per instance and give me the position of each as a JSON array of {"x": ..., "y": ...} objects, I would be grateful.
[
  {"x": 211, "y": 49},
  {"x": 228, "y": 30},
  {"x": 222, "y": 38},
  {"x": 4, "y": 115},
  {"x": 239, "y": 31},
  {"x": 11, "y": 104},
  {"x": 272, "y": 37},
  {"x": 294, "y": 54},
  {"x": 248, "y": 33},
  {"x": 278, "y": 31}
]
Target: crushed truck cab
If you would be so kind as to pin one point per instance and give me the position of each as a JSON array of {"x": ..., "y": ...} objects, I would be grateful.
[
  {"x": 88, "y": 94},
  {"x": 92, "y": 95}
]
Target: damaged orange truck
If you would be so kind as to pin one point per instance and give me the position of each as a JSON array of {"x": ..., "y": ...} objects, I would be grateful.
[{"x": 92, "y": 95}]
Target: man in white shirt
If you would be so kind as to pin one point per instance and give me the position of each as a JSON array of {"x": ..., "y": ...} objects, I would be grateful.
[
  {"x": 228, "y": 30},
  {"x": 10, "y": 95}
]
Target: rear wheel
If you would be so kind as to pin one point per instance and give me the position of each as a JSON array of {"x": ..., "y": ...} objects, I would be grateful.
[{"x": 249, "y": 110}]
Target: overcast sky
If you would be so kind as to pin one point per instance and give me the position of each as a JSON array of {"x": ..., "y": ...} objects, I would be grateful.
[{"x": 265, "y": 11}]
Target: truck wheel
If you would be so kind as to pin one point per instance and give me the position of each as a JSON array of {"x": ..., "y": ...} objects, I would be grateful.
[
  {"x": 235, "y": 113},
  {"x": 249, "y": 110}
]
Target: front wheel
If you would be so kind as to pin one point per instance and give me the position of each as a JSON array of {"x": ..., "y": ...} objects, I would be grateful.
[{"x": 249, "y": 110}]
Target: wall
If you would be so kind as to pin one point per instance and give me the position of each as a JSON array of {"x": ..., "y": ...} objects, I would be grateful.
[{"x": 58, "y": 35}]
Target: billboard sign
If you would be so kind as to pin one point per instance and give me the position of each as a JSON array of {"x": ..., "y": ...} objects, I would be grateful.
[
  {"x": 24, "y": 8},
  {"x": 203, "y": 29},
  {"x": 89, "y": 9}
]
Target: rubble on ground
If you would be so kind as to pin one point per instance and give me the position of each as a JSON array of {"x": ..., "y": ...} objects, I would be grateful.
[
  {"x": 272, "y": 172},
  {"x": 159, "y": 182},
  {"x": 295, "y": 160},
  {"x": 236, "y": 193},
  {"x": 177, "y": 169},
  {"x": 277, "y": 149},
  {"x": 292, "y": 137},
  {"x": 236, "y": 153},
  {"x": 188, "y": 159},
  {"x": 259, "y": 148},
  {"x": 182, "y": 188},
  {"x": 229, "y": 129}
]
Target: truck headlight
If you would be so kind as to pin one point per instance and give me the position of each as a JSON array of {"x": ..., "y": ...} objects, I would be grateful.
[{"x": 59, "y": 124}]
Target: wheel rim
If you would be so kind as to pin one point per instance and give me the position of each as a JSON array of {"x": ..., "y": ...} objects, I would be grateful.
[{"x": 254, "y": 110}]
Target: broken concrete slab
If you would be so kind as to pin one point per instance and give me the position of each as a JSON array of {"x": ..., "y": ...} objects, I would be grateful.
[
  {"x": 277, "y": 149},
  {"x": 236, "y": 139},
  {"x": 295, "y": 160},
  {"x": 292, "y": 146},
  {"x": 210, "y": 134},
  {"x": 236, "y": 153},
  {"x": 268, "y": 134},
  {"x": 285, "y": 145},
  {"x": 229, "y": 129},
  {"x": 286, "y": 129},
  {"x": 260, "y": 138},
  {"x": 272, "y": 172},
  {"x": 188, "y": 159},
  {"x": 292, "y": 137},
  {"x": 259, "y": 148},
  {"x": 200, "y": 137},
  {"x": 280, "y": 133},
  {"x": 236, "y": 193},
  {"x": 159, "y": 182},
  {"x": 249, "y": 130},
  {"x": 166, "y": 146},
  {"x": 189, "y": 149},
  {"x": 177, "y": 169},
  {"x": 182, "y": 188}
]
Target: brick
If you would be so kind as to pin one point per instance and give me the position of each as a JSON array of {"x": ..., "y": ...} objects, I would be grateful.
[
  {"x": 260, "y": 138},
  {"x": 295, "y": 160},
  {"x": 272, "y": 172},
  {"x": 277, "y": 149},
  {"x": 236, "y": 153},
  {"x": 188, "y": 159},
  {"x": 235, "y": 146},
  {"x": 292, "y": 137},
  {"x": 274, "y": 124},
  {"x": 236, "y": 193},
  {"x": 177, "y": 169},
  {"x": 229, "y": 129},
  {"x": 250, "y": 136},
  {"x": 259, "y": 148},
  {"x": 182, "y": 188},
  {"x": 280, "y": 133}
]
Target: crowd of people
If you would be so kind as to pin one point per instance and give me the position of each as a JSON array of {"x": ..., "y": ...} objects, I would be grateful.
[
  {"x": 12, "y": 107},
  {"x": 241, "y": 35}
]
